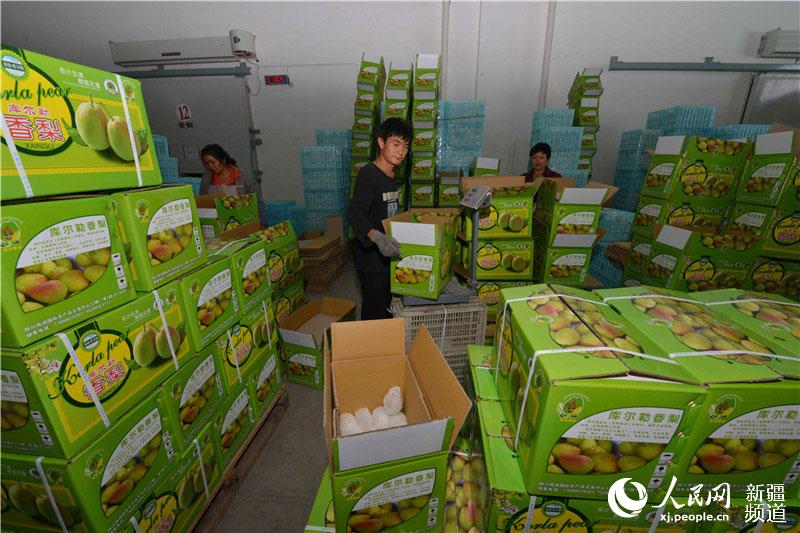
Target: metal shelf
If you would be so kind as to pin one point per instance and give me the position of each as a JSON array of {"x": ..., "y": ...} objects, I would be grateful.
[{"x": 709, "y": 65}]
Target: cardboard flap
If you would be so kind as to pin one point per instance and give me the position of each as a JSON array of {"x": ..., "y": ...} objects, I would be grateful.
[
  {"x": 487, "y": 163},
  {"x": 413, "y": 233},
  {"x": 446, "y": 397},
  {"x": 567, "y": 240},
  {"x": 561, "y": 183},
  {"x": 427, "y": 61},
  {"x": 327, "y": 400},
  {"x": 586, "y": 196},
  {"x": 671, "y": 145},
  {"x": 367, "y": 384},
  {"x": 372, "y": 338},
  {"x": 775, "y": 143},
  {"x": 206, "y": 212},
  {"x": 675, "y": 237},
  {"x": 494, "y": 181},
  {"x": 392, "y": 444},
  {"x": 610, "y": 190},
  {"x": 307, "y": 326}
]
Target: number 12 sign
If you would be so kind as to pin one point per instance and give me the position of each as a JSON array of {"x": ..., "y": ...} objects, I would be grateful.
[{"x": 183, "y": 112}]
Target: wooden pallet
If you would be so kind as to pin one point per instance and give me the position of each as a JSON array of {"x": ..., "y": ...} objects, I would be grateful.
[{"x": 220, "y": 500}]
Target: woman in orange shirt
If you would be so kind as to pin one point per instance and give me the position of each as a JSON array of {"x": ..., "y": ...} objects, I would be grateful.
[{"x": 222, "y": 175}]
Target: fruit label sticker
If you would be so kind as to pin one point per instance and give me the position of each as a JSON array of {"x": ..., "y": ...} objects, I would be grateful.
[
  {"x": 489, "y": 220},
  {"x": 580, "y": 218},
  {"x": 571, "y": 260},
  {"x": 266, "y": 371},
  {"x": 201, "y": 374},
  {"x": 666, "y": 261},
  {"x": 643, "y": 424},
  {"x": 66, "y": 239},
  {"x": 417, "y": 262},
  {"x": 755, "y": 220},
  {"x": 236, "y": 409},
  {"x": 787, "y": 231},
  {"x": 488, "y": 257},
  {"x": 105, "y": 357},
  {"x": 777, "y": 422},
  {"x": 171, "y": 215},
  {"x": 770, "y": 171},
  {"x": 399, "y": 488},
  {"x": 238, "y": 349},
  {"x": 131, "y": 445},
  {"x": 702, "y": 270},
  {"x": 160, "y": 514},
  {"x": 651, "y": 210},
  {"x": 488, "y": 293},
  {"x": 682, "y": 216},
  {"x": 218, "y": 284},
  {"x": 11, "y": 389},
  {"x": 304, "y": 359}
]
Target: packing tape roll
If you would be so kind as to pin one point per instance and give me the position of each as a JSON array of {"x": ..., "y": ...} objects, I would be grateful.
[
  {"x": 23, "y": 176},
  {"x": 131, "y": 134},
  {"x": 85, "y": 378},
  {"x": 165, "y": 325},
  {"x": 49, "y": 493}
]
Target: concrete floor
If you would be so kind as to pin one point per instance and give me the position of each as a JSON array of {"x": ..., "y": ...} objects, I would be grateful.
[{"x": 279, "y": 490}]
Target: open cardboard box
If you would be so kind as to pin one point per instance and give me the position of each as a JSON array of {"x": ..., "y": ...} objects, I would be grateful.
[
  {"x": 303, "y": 333},
  {"x": 362, "y": 362}
]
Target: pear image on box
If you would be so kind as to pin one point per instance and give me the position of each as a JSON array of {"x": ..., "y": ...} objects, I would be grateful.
[{"x": 210, "y": 303}]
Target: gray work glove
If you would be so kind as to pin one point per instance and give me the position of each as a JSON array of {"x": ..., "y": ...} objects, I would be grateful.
[{"x": 387, "y": 246}]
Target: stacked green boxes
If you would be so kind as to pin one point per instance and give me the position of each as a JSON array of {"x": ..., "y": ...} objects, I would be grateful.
[
  {"x": 369, "y": 99},
  {"x": 427, "y": 240},
  {"x": 99, "y": 488},
  {"x": 284, "y": 267},
  {"x": 746, "y": 431},
  {"x": 486, "y": 166},
  {"x": 584, "y": 98},
  {"x": 123, "y": 354},
  {"x": 71, "y": 126},
  {"x": 565, "y": 229},
  {"x": 233, "y": 423},
  {"x": 448, "y": 190},
  {"x": 775, "y": 276},
  {"x": 161, "y": 233},
  {"x": 219, "y": 213},
  {"x": 264, "y": 382},
  {"x": 424, "y": 112}
]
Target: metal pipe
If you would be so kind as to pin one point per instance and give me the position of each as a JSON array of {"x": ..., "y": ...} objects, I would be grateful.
[
  {"x": 444, "y": 46},
  {"x": 548, "y": 50},
  {"x": 239, "y": 72},
  {"x": 709, "y": 65}
]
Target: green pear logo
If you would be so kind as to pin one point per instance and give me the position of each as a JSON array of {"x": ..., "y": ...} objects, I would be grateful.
[
  {"x": 91, "y": 120},
  {"x": 120, "y": 139}
]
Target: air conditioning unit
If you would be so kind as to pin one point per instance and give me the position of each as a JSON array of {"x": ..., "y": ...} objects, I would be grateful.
[
  {"x": 780, "y": 43},
  {"x": 235, "y": 46}
]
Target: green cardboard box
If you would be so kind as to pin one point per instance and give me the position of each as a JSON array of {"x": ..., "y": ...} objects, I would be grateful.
[
  {"x": 589, "y": 409},
  {"x": 364, "y": 125},
  {"x": 264, "y": 382},
  {"x": 178, "y": 498},
  {"x": 424, "y": 113},
  {"x": 502, "y": 259},
  {"x": 98, "y": 489},
  {"x": 426, "y": 74},
  {"x": 371, "y": 73},
  {"x": 566, "y": 261},
  {"x": 751, "y": 396},
  {"x": 427, "y": 248},
  {"x": 190, "y": 398},
  {"x": 59, "y": 115},
  {"x": 423, "y": 141},
  {"x": 239, "y": 349},
  {"x": 568, "y": 210},
  {"x": 124, "y": 354},
  {"x": 511, "y": 211},
  {"x": 585, "y": 163},
  {"x": 775, "y": 276},
  {"x": 210, "y": 304},
  {"x": 769, "y": 168},
  {"x": 405, "y": 466},
  {"x": 783, "y": 235},
  {"x": 423, "y": 193},
  {"x": 448, "y": 192},
  {"x": 361, "y": 149},
  {"x": 289, "y": 299},
  {"x": 683, "y": 260},
  {"x": 489, "y": 293},
  {"x": 58, "y": 253},
  {"x": 321, "y": 517},
  {"x": 367, "y": 103},
  {"x": 283, "y": 253},
  {"x": 399, "y": 80},
  {"x": 358, "y": 163},
  {"x": 773, "y": 320},
  {"x": 486, "y": 166},
  {"x": 639, "y": 255},
  {"x": 219, "y": 212},
  {"x": 233, "y": 423},
  {"x": 586, "y": 83},
  {"x": 696, "y": 170},
  {"x": 587, "y": 113},
  {"x": 397, "y": 109},
  {"x": 589, "y": 144},
  {"x": 747, "y": 516},
  {"x": 161, "y": 233},
  {"x": 303, "y": 333},
  {"x": 423, "y": 168},
  {"x": 250, "y": 279},
  {"x": 652, "y": 212}
]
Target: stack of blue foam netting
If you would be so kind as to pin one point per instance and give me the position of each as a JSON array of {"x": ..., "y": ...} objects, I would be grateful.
[
  {"x": 161, "y": 145},
  {"x": 278, "y": 211},
  {"x": 194, "y": 182},
  {"x": 632, "y": 162},
  {"x": 740, "y": 131},
  {"x": 682, "y": 120},
  {"x": 297, "y": 216},
  {"x": 340, "y": 138},
  {"x": 554, "y": 127},
  {"x": 169, "y": 169},
  {"x": 604, "y": 269},
  {"x": 459, "y": 134},
  {"x": 326, "y": 183},
  {"x": 616, "y": 223}
]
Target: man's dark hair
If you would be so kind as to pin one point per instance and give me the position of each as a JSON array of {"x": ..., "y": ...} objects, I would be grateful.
[
  {"x": 394, "y": 127},
  {"x": 540, "y": 147}
]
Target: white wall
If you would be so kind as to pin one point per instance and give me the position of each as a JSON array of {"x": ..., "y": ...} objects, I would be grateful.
[{"x": 493, "y": 50}]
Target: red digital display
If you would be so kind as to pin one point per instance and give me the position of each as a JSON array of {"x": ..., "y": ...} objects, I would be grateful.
[{"x": 277, "y": 79}]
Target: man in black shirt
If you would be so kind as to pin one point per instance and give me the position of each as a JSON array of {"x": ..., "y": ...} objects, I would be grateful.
[{"x": 375, "y": 198}]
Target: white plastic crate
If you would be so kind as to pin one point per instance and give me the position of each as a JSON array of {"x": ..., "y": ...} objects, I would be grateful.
[{"x": 452, "y": 326}]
